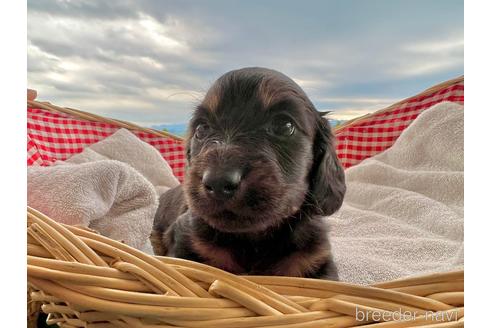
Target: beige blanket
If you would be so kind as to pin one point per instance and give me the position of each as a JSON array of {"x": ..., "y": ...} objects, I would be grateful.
[{"x": 403, "y": 211}]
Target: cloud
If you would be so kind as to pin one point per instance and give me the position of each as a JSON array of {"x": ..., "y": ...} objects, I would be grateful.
[
  {"x": 349, "y": 108},
  {"x": 348, "y": 114},
  {"x": 430, "y": 56},
  {"x": 151, "y": 61}
]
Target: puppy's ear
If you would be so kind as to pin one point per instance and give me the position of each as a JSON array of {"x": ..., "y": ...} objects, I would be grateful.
[{"x": 327, "y": 179}]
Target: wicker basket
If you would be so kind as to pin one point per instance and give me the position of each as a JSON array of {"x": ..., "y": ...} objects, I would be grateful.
[
  {"x": 82, "y": 279},
  {"x": 86, "y": 280}
]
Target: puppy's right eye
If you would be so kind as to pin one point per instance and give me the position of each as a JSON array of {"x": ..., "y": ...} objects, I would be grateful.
[
  {"x": 201, "y": 131},
  {"x": 282, "y": 127}
]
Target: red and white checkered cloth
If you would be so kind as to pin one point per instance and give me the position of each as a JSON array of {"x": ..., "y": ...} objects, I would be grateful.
[
  {"x": 376, "y": 133},
  {"x": 53, "y": 136}
]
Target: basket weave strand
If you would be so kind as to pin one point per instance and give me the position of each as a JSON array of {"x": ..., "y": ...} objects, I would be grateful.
[{"x": 83, "y": 279}]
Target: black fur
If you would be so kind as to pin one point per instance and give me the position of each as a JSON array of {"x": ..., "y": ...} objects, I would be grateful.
[{"x": 270, "y": 222}]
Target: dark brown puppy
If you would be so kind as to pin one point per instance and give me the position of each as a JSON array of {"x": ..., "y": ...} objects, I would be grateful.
[{"x": 261, "y": 171}]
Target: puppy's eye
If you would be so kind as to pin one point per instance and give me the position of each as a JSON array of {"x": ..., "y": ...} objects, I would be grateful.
[
  {"x": 282, "y": 127},
  {"x": 201, "y": 131}
]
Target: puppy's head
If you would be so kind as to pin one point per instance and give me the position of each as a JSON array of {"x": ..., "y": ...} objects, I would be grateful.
[{"x": 258, "y": 152}]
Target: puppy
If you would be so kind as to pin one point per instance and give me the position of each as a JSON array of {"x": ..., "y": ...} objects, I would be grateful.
[{"x": 261, "y": 171}]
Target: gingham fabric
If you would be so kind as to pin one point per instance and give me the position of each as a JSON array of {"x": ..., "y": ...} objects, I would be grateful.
[
  {"x": 370, "y": 136},
  {"x": 33, "y": 155},
  {"x": 56, "y": 136}
]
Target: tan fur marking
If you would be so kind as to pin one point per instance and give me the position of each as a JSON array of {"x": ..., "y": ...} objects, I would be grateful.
[
  {"x": 267, "y": 94},
  {"x": 215, "y": 256},
  {"x": 157, "y": 243},
  {"x": 299, "y": 264},
  {"x": 212, "y": 98},
  {"x": 271, "y": 91}
]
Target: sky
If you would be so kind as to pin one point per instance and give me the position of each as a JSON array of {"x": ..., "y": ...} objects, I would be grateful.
[{"x": 150, "y": 62}]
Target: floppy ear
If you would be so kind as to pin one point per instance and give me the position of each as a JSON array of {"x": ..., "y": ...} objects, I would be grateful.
[{"x": 327, "y": 179}]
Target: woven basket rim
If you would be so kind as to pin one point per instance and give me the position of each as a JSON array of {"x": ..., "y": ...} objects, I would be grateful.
[{"x": 427, "y": 91}]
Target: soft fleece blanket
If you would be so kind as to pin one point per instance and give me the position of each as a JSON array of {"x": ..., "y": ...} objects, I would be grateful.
[
  {"x": 112, "y": 187},
  {"x": 403, "y": 210}
]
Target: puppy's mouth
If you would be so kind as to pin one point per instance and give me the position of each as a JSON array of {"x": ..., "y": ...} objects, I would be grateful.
[
  {"x": 246, "y": 209},
  {"x": 261, "y": 201}
]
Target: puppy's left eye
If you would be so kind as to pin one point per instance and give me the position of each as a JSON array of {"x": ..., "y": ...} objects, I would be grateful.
[
  {"x": 282, "y": 127},
  {"x": 201, "y": 131}
]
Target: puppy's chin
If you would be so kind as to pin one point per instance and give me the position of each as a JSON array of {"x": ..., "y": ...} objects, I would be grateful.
[{"x": 229, "y": 222}]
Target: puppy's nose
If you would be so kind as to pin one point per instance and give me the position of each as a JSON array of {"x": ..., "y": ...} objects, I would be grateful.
[{"x": 221, "y": 185}]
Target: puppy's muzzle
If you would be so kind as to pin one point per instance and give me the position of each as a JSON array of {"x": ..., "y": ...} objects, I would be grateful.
[{"x": 221, "y": 184}]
